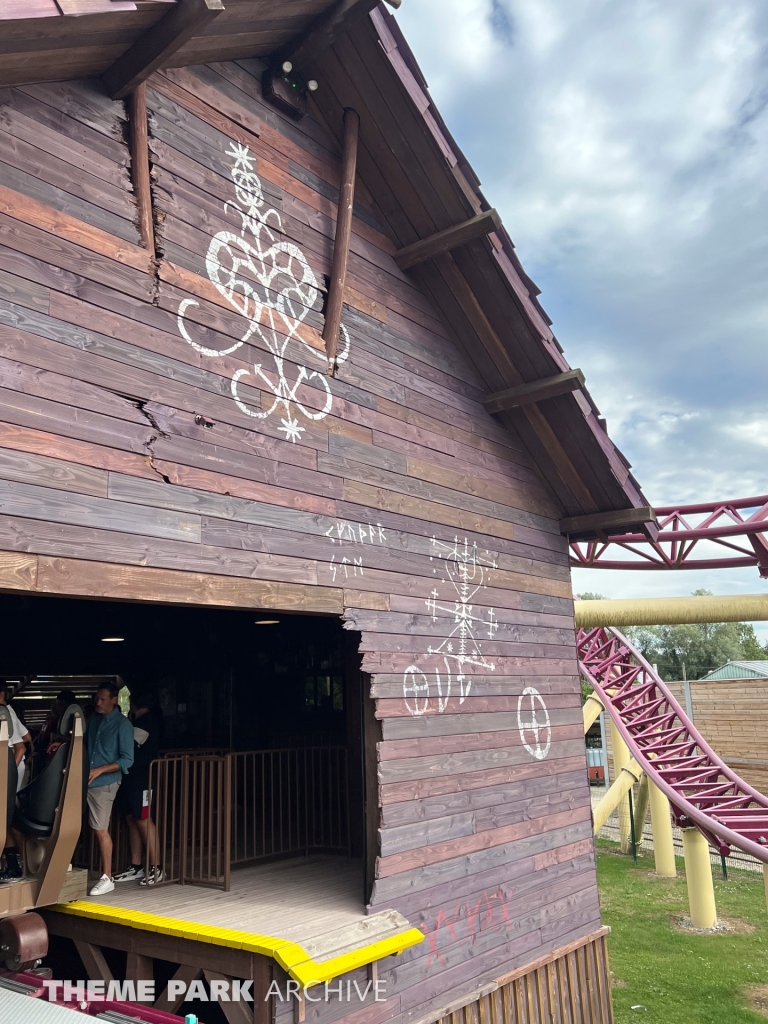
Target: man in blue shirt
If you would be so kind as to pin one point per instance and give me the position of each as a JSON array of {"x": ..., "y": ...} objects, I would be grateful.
[{"x": 109, "y": 740}]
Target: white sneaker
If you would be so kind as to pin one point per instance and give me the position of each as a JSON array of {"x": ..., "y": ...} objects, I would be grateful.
[{"x": 102, "y": 887}]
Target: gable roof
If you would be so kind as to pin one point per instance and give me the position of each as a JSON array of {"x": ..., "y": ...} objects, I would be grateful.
[
  {"x": 740, "y": 670},
  {"x": 420, "y": 182}
]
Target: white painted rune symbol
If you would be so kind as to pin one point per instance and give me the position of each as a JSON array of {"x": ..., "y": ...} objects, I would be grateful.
[
  {"x": 533, "y": 722},
  {"x": 269, "y": 282},
  {"x": 465, "y": 571}
]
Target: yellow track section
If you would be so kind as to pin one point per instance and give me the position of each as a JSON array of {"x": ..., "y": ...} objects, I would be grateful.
[{"x": 292, "y": 957}]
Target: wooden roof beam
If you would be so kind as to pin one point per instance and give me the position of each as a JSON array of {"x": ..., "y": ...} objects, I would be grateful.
[
  {"x": 492, "y": 343},
  {"x": 185, "y": 19},
  {"x": 444, "y": 241},
  {"x": 536, "y": 391},
  {"x": 320, "y": 35},
  {"x": 608, "y": 522}
]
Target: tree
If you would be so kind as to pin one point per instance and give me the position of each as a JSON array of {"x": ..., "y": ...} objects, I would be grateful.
[{"x": 700, "y": 647}]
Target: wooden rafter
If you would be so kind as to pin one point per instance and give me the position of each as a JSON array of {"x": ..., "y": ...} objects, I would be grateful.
[
  {"x": 500, "y": 356},
  {"x": 535, "y": 391},
  {"x": 444, "y": 241},
  {"x": 608, "y": 521},
  {"x": 158, "y": 44},
  {"x": 323, "y": 31}
]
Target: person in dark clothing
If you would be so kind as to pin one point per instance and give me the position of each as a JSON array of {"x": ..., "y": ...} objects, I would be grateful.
[
  {"x": 135, "y": 799},
  {"x": 49, "y": 734}
]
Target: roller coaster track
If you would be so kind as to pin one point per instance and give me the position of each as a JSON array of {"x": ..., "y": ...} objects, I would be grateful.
[
  {"x": 703, "y": 791},
  {"x": 733, "y": 534}
]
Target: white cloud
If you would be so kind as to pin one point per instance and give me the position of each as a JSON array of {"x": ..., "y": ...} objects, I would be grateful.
[
  {"x": 751, "y": 432},
  {"x": 626, "y": 147}
]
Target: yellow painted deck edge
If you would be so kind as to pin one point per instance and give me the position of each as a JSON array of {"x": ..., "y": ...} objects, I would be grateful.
[{"x": 292, "y": 957}]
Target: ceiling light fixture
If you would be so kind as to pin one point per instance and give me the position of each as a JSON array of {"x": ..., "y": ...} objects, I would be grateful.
[
  {"x": 113, "y": 639},
  {"x": 267, "y": 622}
]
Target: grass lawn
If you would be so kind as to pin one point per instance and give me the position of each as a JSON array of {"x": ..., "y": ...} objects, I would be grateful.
[{"x": 681, "y": 978}]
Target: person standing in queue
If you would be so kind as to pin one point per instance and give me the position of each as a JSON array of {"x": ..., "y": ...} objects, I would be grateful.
[
  {"x": 14, "y": 869},
  {"x": 109, "y": 741},
  {"x": 135, "y": 797}
]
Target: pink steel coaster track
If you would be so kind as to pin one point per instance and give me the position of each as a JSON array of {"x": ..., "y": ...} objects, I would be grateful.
[
  {"x": 702, "y": 789},
  {"x": 735, "y": 529}
]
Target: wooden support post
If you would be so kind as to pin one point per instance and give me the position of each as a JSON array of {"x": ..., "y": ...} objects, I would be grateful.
[
  {"x": 152, "y": 50},
  {"x": 448, "y": 239},
  {"x": 139, "y": 968},
  {"x": 170, "y": 1002},
  {"x": 236, "y": 1012},
  {"x": 301, "y": 1007},
  {"x": 698, "y": 878},
  {"x": 536, "y": 391},
  {"x": 137, "y": 114},
  {"x": 93, "y": 961},
  {"x": 661, "y": 824},
  {"x": 621, "y": 758},
  {"x": 262, "y": 973},
  {"x": 341, "y": 242}
]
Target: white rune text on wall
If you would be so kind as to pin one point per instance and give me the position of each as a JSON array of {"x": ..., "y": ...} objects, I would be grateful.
[
  {"x": 464, "y": 573},
  {"x": 269, "y": 282}
]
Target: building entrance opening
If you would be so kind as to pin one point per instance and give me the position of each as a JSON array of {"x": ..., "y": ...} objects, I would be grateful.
[{"x": 258, "y": 788}]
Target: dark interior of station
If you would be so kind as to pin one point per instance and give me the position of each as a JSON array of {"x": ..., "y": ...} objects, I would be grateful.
[
  {"x": 221, "y": 678},
  {"x": 220, "y": 681}
]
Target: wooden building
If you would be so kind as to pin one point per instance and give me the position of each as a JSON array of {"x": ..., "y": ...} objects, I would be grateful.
[{"x": 265, "y": 347}]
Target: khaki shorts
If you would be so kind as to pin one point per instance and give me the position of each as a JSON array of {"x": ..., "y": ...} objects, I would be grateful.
[{"x": 100, "y": 800}]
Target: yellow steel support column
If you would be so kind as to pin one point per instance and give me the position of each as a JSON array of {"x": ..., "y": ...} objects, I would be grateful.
[
  {"x": 661, "y": 824},
  {"x": 629, "y": 775},
  {"x": 640, "y": 809},
  {"x": 698, "y": 877},
  {"x": 593, "y": 706},
  {"x": 621, "y": 758}
]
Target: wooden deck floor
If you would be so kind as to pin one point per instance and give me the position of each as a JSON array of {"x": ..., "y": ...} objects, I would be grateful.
[{"x": 314, "y": 901}]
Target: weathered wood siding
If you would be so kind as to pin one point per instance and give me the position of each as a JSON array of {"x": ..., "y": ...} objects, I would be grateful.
[
  {"x": 168, "y": 433},
  {"x": 732, "y": 715}
]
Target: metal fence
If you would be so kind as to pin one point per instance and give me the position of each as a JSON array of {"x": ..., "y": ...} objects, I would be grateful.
[
  {"x": 289, "y": 801},
  {"x": 206, "y": 820},
  {"x": 738, "y": 860},
  {"x": 210, "y": 811}
]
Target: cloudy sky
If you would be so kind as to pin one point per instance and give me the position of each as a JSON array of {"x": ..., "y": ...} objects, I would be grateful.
[{"x": 625, "y": 144}]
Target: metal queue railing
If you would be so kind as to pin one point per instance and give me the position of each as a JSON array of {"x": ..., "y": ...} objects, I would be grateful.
[
  {"x": 287, "y": 801},
  {"x": 209, "y": 812}
]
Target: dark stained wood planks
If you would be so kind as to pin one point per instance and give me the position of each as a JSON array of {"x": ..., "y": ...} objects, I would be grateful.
[{"x": 168, "y": 434}]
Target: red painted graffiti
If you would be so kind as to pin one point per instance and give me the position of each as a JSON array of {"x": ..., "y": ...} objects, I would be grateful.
[{"x": 464, "y": 924}]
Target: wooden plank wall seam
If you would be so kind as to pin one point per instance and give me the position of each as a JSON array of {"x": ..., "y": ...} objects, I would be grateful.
[{"x": 127, "y": 469}]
